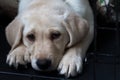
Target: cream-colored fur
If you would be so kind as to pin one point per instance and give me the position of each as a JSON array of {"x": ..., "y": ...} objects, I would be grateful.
[{"x": 72, "y": 19}]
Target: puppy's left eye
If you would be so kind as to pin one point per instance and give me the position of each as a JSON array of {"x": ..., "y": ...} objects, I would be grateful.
[
  {"x": 31, "y": 37},
  {"x": 55, "y": 35}
]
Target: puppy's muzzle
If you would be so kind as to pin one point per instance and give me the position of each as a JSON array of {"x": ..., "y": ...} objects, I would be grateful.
[{"x": 43, "y": 64}]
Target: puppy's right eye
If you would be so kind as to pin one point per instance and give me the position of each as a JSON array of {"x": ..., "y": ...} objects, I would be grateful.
[{"x": 31, "y": 37}]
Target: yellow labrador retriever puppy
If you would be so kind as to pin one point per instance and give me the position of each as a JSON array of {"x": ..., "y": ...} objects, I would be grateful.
[{"x": 51, "y": 34}]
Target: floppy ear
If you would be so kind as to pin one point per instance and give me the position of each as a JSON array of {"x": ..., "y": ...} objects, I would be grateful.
[
  {"x": 77, "y": 28},
  {"x": 14, "y": 32}
]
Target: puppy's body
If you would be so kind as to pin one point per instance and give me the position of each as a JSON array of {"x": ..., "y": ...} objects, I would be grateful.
[{"x": 54, "y": 32}]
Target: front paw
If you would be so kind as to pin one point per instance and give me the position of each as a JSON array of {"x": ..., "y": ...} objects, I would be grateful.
[
  {"x": 18, "y": 57},
  {"x": 70, "y": 65}
]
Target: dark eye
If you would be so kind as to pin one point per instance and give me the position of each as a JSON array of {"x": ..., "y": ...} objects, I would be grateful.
[
  {"x": 31, "y": 37},
  {"x": 55, "y": 35}
]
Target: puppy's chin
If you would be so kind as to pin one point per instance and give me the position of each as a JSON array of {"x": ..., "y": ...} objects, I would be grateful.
[{"x": 35, "y": 67}]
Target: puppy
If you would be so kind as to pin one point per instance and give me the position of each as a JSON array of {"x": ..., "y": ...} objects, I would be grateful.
[{"x": 51, "y": 34}]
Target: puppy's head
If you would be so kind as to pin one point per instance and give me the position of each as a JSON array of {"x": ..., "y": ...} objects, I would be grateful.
[{"x": 47, "y": 37}]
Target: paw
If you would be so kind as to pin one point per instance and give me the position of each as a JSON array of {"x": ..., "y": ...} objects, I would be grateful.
[
  {"x": 70, "y": 65},
  {"x": 18, "y": 57}
]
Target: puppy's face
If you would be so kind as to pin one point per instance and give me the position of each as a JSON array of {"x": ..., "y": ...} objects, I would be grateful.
[{"x": 45, "y": 38}]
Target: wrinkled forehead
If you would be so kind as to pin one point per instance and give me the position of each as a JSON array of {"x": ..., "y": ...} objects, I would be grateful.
[
  {"x": 39, "y": 17},
  {"x": 41, "y": 22}
]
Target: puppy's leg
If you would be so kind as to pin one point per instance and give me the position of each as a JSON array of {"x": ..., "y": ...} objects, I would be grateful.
[
  {"x": 18, "y": 56},
  {"x": 72, "y": 61}
]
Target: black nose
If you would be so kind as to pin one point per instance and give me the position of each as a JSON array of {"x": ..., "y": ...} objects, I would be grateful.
[{"x": 43, "y": 63}]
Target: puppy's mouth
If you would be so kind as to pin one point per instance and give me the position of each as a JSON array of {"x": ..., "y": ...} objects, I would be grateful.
[{"x": 42, "y": 64}]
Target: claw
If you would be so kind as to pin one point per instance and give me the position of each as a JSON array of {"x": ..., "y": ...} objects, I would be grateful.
[{"x": 70, "y": 67}]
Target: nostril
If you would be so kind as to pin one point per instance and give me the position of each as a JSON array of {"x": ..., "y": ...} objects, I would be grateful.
[{"x": 43, "y": 63}]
